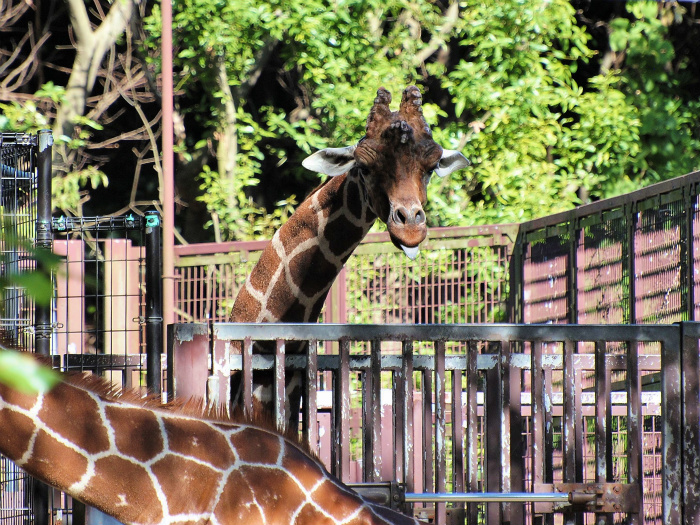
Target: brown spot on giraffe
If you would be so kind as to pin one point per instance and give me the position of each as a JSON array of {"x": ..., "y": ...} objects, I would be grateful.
[
  {"x": 66, "y": 422},
  {"x": 385, "y": 175},
  {"x": 123, "y": 487},
  {"x": 141, "y": 446},
  {"x": 67, "y": 470},
  {"x": 15, "y": 444},
  {"x": 179, "y": 475},
  {"x": 198, "y": 440}
]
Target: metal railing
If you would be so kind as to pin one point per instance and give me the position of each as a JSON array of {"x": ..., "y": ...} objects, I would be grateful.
[{"x": 482, "y": 408}]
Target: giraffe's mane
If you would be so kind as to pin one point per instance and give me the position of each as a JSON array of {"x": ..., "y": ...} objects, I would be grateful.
[{"x": 196, "y": 408}]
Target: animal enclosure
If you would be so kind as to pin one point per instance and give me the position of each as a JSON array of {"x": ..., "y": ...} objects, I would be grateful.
[{"x": 632, "y": 258}]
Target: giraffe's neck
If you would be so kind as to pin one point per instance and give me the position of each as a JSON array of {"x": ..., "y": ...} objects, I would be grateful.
[
  {"x": 292, "y": 278},
  {"x": 146, "y": 465}
]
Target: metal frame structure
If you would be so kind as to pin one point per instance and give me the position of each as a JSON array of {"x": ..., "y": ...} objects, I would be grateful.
[{"x": 496, "y": 382}]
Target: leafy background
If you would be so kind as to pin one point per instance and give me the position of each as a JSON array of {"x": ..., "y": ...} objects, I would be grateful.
[{"x": 556, "y": 103}]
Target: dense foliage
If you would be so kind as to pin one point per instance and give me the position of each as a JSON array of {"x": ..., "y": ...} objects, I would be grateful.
[{"x": 555, "y": 103}]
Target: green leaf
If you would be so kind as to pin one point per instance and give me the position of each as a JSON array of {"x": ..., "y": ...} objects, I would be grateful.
[{"x": 25, "y": 374}]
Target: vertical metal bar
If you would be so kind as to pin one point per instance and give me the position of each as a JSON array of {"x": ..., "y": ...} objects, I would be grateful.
[
  {"x": 44, "y": 236},
  {"x": 672, "y": 430},
  {"x": 42, "y": 313},
  {"x": 407, "y": 373},
  {"x": 504, "y": 411},
  {"x": 367, "y": 426},
  {"x": 691, "y": 423},
  {"x": 573, "y": 425},
  {"x": 457, "y": 433},
  {"x": 280, "y": 390},
  {"x": 427, "y": 388},
  {"x": 572, "y": 271},
  {"x": 687, "y": 247},
  {"x": 538, "y": 409},
  {"x": 310, "y": 407},
  {"x": 494, "y": 440},
  {"x": 472, "y": 429},
  {"x": 247, "y": 356},
  {"x": 398, "y": 411},
  {"x": 634, "y": 428},
  {"x": 154, "y": 302},
  {"x": 340, "y": 450},
  {"x": 517, "y": 474},
  {"x": 571, "y": 419},
  {"x": 631, "y": 216},
  {"x": 548, "y": 429},
  {"x": 440, "y": 433},
  {"x": 376, "y": 408},
  {"x": 603, "y": 424}
]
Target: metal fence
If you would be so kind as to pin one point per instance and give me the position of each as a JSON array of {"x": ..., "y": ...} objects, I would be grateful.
[
  {"x": 506, "y": 415},
  {"x": 106, "y": 313},
  {"x": 460, "y": 276},
  {"x": 629, "y": 259}
]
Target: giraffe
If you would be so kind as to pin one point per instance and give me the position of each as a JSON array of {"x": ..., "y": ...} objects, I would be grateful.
[
  {"x": 144, "y": 463},
  {"x": 385, "y": 175}
]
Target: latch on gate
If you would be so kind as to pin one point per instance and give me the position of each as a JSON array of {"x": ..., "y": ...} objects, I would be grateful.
[{"x": 591, "y": 497}]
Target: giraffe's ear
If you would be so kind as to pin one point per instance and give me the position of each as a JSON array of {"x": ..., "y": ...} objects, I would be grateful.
[
  {"x": 331, "y": 161},
  {"x": 451, "y": 161}
]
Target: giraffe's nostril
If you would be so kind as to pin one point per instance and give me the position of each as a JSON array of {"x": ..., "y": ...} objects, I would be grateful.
[{"x": 401, "y": 215}]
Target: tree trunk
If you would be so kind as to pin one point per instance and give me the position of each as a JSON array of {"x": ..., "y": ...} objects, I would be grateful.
[{"x": 91, "y": 47}]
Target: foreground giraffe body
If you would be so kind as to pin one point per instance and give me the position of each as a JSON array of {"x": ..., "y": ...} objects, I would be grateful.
[
  {"x": 150, "y": 465},
  {"x": 384, "y": 176}
]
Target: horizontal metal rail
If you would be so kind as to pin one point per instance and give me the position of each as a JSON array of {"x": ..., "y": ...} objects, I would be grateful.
[
  {"x": 435, "y": 332},
  {"x": 491, "y": 497}
]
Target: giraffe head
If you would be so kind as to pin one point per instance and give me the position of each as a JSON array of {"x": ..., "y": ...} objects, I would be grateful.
[{"x": 394, "y": 161}]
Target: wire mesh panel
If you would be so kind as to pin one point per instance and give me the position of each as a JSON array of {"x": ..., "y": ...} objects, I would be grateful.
[
  {"x": 18, "y": 220},
  {"x": 18, "y": 215},
  {"x": 461, "y": 275},
  {"x": 603, "y": 280},
  {"x": 629, "y": 259},
  {"x": 659, "y": 251},
  {"x": 99, "y": 302},
  {"x": 546, "y": 277}
]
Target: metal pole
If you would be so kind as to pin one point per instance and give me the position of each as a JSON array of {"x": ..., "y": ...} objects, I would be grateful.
[
  {"x": 44, "y": 239},
  {"x": 154, "y": 303},
  {"x": 168, "y": 191},
  {"x": 42, "y": 313},
  {"x": 490, "y": 497}
]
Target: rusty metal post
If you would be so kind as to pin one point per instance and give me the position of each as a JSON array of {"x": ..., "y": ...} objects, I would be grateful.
[
  {"x": 247, "y": 357},
  {"x": 457, "y": 442},
  {"x": 279, "y": 387},
  {"x": 407, "y": 376},
  {"x": 672, "y": 430},
  {"x": 690, "y": 333},
  {"x": 603, "y": 423},
  {"x": 309, "y": 402},
  {"x": 494, "y": 440},
  {"x": 635, "y": 421},
  {"x": 572, "y": 426},
  {"x": 440, "y": 434},
  {"x": 472, "y": 429},
  {"x": 340, "y": 448}
]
